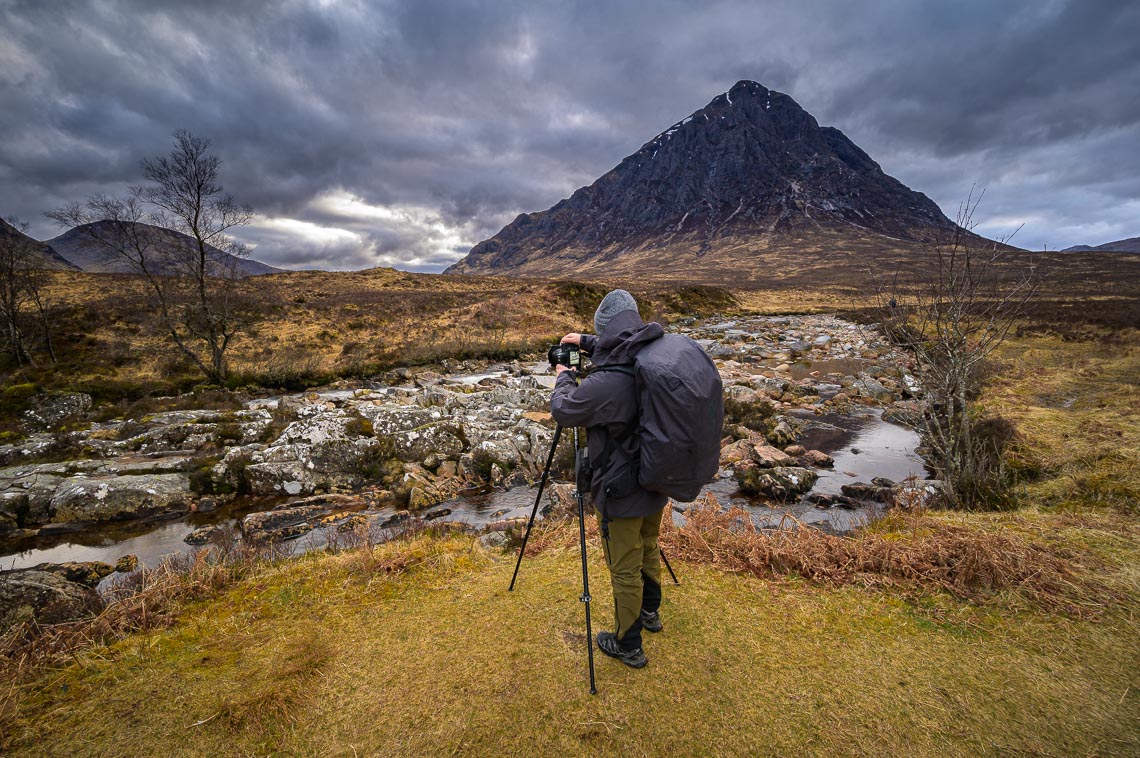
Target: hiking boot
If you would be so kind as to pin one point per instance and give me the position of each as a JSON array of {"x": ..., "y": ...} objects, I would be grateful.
[
  {"x": 608, "y": 644},
  {"x": 651, "y": 621}
]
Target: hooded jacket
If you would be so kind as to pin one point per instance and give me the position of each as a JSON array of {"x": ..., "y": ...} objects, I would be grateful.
[{"x": 606, "y": 404}]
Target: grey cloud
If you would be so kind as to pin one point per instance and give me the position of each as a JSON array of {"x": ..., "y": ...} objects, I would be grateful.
[{"x": 478, "y": 111}]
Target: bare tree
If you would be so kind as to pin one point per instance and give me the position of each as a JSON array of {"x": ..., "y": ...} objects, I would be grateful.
[
  {"x": 192, "y": 285},
  {"x": 953, "y": 309},
  {"x": 24, "y": 307}
]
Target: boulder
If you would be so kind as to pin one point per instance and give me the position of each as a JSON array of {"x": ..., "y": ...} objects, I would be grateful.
[
  {"x": 781, "y": 483},
  {"x": 51, "y": 409},
  {"x": 387, "y": 420},
  {"x": 203, "y": 535},
  {"x": 45, "y": 597},
  {"x": 767, "y": 456},
  {"x": 119, "y": 497},
  {"x": 864, "y": 491},
  {"x": 783, "y": 434},
  {"x": 440, "y": 438},
  {"x": 818, "y": 459},
  {"x": 917, "y": 493},
  {"x": 735, "y": 452}
]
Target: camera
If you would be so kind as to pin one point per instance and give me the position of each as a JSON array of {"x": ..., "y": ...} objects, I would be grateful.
[{"x": 565, "y": 355}]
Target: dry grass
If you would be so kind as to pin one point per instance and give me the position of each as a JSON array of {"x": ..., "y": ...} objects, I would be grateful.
[
  {"x": 911, "y": 553},
  {"x": 319, "y": 656}
]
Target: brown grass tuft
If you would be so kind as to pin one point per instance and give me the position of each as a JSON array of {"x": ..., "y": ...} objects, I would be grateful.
[{"x": 906, "y": 551}]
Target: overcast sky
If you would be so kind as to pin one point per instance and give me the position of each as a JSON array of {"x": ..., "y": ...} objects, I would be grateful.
[{"x": 369, "y": 133}]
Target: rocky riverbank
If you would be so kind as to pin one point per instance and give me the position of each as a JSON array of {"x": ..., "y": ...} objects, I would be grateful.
[{"x": 389, "y": 452}]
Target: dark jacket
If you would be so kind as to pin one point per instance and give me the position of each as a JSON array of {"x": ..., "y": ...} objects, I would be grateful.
[{"x": 606, "y": 403}]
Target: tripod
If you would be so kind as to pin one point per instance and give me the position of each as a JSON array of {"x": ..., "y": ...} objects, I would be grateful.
[{"x": 581, "y": 487}]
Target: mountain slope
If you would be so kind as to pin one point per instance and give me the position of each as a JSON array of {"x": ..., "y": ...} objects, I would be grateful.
[
  {"x": 41, "y": 255},
  {"x": 1130, "y": 245},
  {"x": 749, "y": 173},
  {"x": 77, "y": 245}
]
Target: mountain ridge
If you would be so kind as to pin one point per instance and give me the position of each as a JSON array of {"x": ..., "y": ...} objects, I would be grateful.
[
  {"x": 42, "y": 253},
  {"x": 750, "y": 169},
  {"x": 89, "y": 255},
  {"x": 1129, "y": 245}
]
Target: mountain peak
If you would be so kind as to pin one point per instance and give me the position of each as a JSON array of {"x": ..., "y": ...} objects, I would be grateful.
[{"x": 750, "y": 168}]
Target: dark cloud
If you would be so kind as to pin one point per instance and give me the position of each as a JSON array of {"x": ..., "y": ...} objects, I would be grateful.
[{"x": 401, "y": 133}]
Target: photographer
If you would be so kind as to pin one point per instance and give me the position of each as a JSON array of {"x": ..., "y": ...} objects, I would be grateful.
[{"x": 606, "y": 404}]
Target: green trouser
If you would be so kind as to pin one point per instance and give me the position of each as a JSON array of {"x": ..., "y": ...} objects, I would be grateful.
[{"x": 635, "y": 571}]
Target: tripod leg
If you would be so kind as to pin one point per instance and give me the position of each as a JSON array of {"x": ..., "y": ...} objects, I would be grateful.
[
  {"x": 537, "y": 499},
  {"x": 581, "y": 497},
  {"x": 666, "y": 561}
]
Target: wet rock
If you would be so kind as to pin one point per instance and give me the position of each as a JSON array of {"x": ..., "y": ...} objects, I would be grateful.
[
  {"x": 864, "y": 491},
  {"x": 120, "y": 497},
  {"x": 52, "y": 409},
  {"x": 437, "y": 513},
  {"x": 206, "y": 504},
  {"x": 288, "y": 515},
  {"x": 45, "y": 597},
  {"x": 202, "y": 535},
  {"x": 798, "y": 348},
  {"x": 87, "y": 573},
  {"x": 818, "y": 459},
  {"x": 767, "y": 456},
  {"x": 397, "y": 518},
  {"x": 782, "y": 483},
  {"x": 782, "y": 435},
  {"x": 872, "y": 388},
  {"x": 735, "y": 452}
]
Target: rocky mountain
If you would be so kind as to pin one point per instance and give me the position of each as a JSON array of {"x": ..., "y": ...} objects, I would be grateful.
[
  {"x": 750, "y": 176},
  {"x": 89, "y": 255},
  {"x": 1130, "y": 245},
  {"x": 42, "y": 255}
]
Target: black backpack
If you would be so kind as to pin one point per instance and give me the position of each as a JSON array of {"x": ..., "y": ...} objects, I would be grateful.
[{"x": 680, "y": 402}]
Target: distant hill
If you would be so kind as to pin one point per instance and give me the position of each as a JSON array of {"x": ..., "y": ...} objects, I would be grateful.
[
  {"x": 748, "y": 187},
  {"x": 43, "y": 255},
  {"x": 1130, "y": 245},
  {"x": 78, "y": 247}
]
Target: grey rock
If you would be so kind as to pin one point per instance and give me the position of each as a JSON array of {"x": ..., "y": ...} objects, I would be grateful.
[
  {"x": 52, "y": 409},
  {"x": 44, "y": 597},
  {"x": 120, "y": 497}
]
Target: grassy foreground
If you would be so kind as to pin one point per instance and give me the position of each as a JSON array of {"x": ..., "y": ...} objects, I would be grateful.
[{"x": 418, "y": 649}]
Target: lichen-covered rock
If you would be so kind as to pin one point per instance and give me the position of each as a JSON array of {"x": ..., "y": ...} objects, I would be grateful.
[
  {"x": 52, "y": 409},
  {"x": 387, "y": 420},
  {"x": 782, "y": 434},
  {"x": 44, "y": 597},
  {"x": 119, "y": 497},
  {"x": 439, "y": 438},
  {"x": 781, "y": 483}
]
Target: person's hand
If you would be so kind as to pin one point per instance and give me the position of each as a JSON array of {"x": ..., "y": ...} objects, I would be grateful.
[
  {"x": 560, "y": 368},
  {"x": 573, "y": 338}
]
